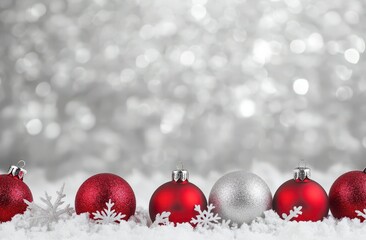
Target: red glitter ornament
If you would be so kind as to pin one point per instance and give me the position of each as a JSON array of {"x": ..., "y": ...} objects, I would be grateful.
[
  {"x": 178, "y": 197},
  {"x": 348, "y": 194},
  {"x": 13, "y": 191},
  {"x": 304, "y": 192},
  {"x": 97, "y": 190}
]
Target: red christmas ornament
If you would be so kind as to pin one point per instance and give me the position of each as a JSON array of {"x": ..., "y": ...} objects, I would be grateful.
[
  {"x": 348, "y": 195},
  {"x": 97, "y": 190},
  {"x": 301, "y": 192},
  {"x": 178, "y": 197},
  {"x": 13, "y": 191}
]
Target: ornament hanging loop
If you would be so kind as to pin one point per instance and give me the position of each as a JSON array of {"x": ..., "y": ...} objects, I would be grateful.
[
  {"x": 21, "y": 164},
  {"x": 302, "y": 163},
  {"x": 18, "y": 171},
  {"x": 180, "y": 165}
]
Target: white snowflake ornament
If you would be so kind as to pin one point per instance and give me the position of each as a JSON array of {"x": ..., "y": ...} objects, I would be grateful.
[
  {"x": 206, "y": 218},
  {"x": 227, "y": 224},
  {"x": 361, "y": 214},
  {"x": 162, "y": 219},
  {"x": 45, "y": 215},
  {"x": 293, "y": 214},
  {"x": 108, "y": 215}
]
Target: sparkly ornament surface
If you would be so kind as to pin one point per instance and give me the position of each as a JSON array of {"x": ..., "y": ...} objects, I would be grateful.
[
  {"x": 301, "y": 197},
  {"x": 347, "y": 196},
  {"x": 99, "y": 189},
  {"x": 180, "y": 198},
  {"x": 13, "y": 192},
  {"x": 156, "y": 81},
  {"x": 240, "y": 197}
]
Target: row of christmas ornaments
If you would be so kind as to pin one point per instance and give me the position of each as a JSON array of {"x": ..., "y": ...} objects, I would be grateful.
[{"x": 237, "y": 196}]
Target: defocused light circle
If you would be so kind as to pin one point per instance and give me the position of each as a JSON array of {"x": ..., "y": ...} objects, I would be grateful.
[
  {"x": 352, "y": 55},
  {"x": 301, "y": 86},
  {"x": 247, "y": 108},
  {"x": 297, "y": 46},
  {"x": 198, "y": 11},
  {"x": 187, "y": 58},
  {"x": 34, "y": 126}
]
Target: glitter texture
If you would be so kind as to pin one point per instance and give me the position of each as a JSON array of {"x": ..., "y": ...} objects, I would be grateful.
[
  {"x": 115, "y": 85},
  {"x": 240, "y": 197},
  {"x": 348, "y": 195},
  {"x": 13, "y": 191},
  {"x": 102, "y": 189}
]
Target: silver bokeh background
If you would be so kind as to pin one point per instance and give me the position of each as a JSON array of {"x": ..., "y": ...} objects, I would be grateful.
[{"x": 111, "y": 85}]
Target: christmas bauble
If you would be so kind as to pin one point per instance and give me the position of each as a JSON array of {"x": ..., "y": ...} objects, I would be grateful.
[
  {"x": 178, "y": 197},
  {"x": 240, "y": 197},
  {"x": 13, "y": 191},
  {"x": 97, "y": 190},
  {"x": 348, "y": 195},
  {"x": 303, "y": 195}
]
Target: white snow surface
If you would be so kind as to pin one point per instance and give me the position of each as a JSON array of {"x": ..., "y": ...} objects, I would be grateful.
[{"x": 270, "y": 226}]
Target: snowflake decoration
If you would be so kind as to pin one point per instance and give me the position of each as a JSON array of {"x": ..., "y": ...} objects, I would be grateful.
[
  {"x": 293, "y": 214},
  {"x": 45, "y": 215},
  {"x": 108, "y": 215},
  {"x": 361, "y": 214},
  {"x": 161, "y": 219},
  {"x": 225, "y": 223},
  {"x": 206, "y": 218}
]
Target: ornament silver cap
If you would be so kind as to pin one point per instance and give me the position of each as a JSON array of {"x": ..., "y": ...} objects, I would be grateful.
[
  {"x": 18, "y": 170},
  {"x": 180, "y": 175},
  {"x": 302, "y": 172}
]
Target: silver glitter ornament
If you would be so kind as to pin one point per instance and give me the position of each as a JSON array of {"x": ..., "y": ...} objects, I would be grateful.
[{"x": 240, "y": 197}]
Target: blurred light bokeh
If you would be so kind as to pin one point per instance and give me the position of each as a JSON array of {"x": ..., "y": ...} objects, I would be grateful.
[{"x": 111, "y": 85}]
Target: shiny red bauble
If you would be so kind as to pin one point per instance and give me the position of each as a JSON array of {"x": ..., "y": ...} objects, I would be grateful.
[
  {"x": 13, "y": 191},
  {"x": 97, "y": 190},
  {"x": 178, "y": 197},
  {"x": 348, "y": 194},
  {"x": 303, "y": 192}
]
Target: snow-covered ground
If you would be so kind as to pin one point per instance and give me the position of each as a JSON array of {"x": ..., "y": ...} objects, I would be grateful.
[
  {"x": 80, "y": 228},
  {"x": 269, "y": 227}
]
